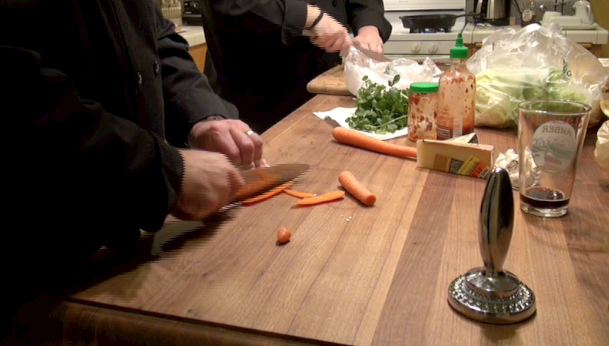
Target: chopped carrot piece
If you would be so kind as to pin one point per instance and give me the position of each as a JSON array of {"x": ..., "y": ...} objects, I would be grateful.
[
  {"x": 356, "y": 188},
  {"x": 283, "y": 235},
  {"x": 267, "y": 194},
  {"x": 327, "y": 197},
  {"x": 360, "y": 140},
  {"x": 298, "y": 194}
]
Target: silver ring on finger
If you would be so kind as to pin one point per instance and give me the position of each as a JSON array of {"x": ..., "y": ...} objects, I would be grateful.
[{"x": 250, "y": 132}]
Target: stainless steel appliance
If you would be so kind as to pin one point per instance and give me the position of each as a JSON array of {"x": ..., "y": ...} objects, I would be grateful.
[
  {"x": 433, "y": 42},
  {"x": 494, "y": 12},
  {"x": 191, "y": 13}
]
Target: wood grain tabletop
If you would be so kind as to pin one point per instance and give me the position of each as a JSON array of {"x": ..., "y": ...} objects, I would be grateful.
[{"x": 351, "y": 274}]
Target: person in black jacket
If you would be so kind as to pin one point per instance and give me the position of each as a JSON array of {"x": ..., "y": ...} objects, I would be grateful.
[
  {"x": 118, "y": 107},
  {"x": 264, "y": 53}
]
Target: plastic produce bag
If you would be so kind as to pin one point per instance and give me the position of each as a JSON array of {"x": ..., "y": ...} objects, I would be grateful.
[
  {"x": 535, "y": 62},
  {"x": 357, "y": 65},
  {"x": 601, "y": 152}
]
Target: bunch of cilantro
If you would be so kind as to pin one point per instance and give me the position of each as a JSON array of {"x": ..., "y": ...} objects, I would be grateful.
[{"x": 380, "y": 109}]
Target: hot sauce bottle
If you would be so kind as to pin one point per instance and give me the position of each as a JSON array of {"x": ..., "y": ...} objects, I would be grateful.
[
  {"x": 456, "y": 96},
  {"x": 422, "y": 107}
]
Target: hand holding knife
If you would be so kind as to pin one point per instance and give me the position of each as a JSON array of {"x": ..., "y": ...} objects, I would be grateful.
[{"x": 329, "y": 34}]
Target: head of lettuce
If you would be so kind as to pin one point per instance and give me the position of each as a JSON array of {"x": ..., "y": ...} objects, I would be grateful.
[{"x": 533, "y": 63}]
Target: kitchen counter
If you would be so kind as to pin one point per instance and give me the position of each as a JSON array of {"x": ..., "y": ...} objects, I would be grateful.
[{"x": 351, "y": 275}]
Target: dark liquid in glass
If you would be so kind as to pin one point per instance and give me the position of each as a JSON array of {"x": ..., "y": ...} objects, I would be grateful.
[{"x": 544, "y": 198}]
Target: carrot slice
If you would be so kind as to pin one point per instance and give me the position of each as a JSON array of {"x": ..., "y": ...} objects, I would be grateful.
[
  {"x": 326, "y": 197},
  {"x": 267, "y": 194},
  {"x": 283, "y": 235},
  {"x": 360, "y": 140},
  {"x": 298, "y": 194},
  {"x": 356, "y": 188}
]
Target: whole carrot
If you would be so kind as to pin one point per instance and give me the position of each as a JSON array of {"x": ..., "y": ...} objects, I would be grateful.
[
  {"x": 356, "y": 188},
  {"x": 360, "y": 140}
]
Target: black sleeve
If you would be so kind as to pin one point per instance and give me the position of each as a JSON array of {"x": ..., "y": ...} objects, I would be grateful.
[
  {"x": 188, "y": 96},
  {"x": 368, "y": 12},
  {"x": 287, "y": 17},
  {"x": 91, "y": 167}
]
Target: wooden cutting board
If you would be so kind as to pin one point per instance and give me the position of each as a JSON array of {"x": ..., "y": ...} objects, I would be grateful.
[{"x": 331, "y": 82}]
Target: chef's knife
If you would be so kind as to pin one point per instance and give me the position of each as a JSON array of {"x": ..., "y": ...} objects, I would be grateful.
[
  {"x": 260, "y": 180},
  {"x": 373, "y": 55}
]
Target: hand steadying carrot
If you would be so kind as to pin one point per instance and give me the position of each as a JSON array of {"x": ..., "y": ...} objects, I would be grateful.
[
  {"x": 356, "y": 188},
  {"x": 360, "y": 140}
]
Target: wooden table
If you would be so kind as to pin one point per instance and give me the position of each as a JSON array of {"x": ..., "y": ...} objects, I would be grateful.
[{"x": 351, "y": 274}]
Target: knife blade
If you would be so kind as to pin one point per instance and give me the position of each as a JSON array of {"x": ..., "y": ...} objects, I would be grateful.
[
  {"x": 373, "y": 55},
  {"x": 260, "y": 180}
]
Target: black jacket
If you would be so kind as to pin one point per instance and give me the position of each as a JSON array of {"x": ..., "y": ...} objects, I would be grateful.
[
  {"x": 262, "y": 61},
  {"x": 105, "y": 82}
]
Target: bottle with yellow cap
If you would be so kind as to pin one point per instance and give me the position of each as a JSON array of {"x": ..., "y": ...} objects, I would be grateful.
[{"x": 456, "y": 96}]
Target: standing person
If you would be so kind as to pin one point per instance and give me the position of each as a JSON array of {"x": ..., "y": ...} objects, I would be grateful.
[
  {"x": 264, "y": 53},
  {"x": 115, "y": 99}
]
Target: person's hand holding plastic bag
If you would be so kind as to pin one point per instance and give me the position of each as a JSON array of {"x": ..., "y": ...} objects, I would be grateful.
[
  {"x": 535, "y": 62},
  {"x": 357, "y": 65}
]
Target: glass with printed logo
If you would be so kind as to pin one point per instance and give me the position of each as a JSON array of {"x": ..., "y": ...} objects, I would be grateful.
[
  {"x": 422, "y": 105},
  {"x": 550, "y": 139}
]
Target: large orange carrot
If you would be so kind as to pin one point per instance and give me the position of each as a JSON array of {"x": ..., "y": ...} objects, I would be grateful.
[
  {"x": 360, "y": 140},
  {"x": 326, "y": 197},
  {"x": 356, "y": 188},
  {"x": 298, "y": 194},
  {"x": 267, "y": 194}
]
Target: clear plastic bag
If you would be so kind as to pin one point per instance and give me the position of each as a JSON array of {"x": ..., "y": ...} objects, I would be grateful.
[
  {"x": 357, "y": 65},
  {"x": 535, "y": 62}
]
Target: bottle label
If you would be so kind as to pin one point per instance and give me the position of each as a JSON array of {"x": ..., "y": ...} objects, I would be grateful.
[
  {"x": 448, "y": 127},
  {"x": 443, "y": 127}
]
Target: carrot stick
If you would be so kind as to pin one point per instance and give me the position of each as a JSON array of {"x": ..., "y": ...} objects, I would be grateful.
[
  {"x": 356, "y": 188},
  {"x": 360, "y": 140},
  {"x": 298, "y": 194},
  {"x": 326, "y": 197},
  {"x": 267, "y": 194}
]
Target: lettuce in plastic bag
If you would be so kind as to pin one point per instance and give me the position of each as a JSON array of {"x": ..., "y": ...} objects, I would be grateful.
[
  {"x": 499, "y": 91},
  {"x": 532, "y": 63}
]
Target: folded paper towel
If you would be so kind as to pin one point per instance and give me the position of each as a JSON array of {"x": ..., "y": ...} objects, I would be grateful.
[{"x": 509, "y": 162}]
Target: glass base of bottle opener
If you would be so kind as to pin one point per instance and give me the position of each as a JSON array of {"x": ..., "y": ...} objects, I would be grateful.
[{"x": 490, "y": 294}]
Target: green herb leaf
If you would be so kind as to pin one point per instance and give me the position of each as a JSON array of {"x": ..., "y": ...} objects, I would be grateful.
[{"x": 380, "y": 109}]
